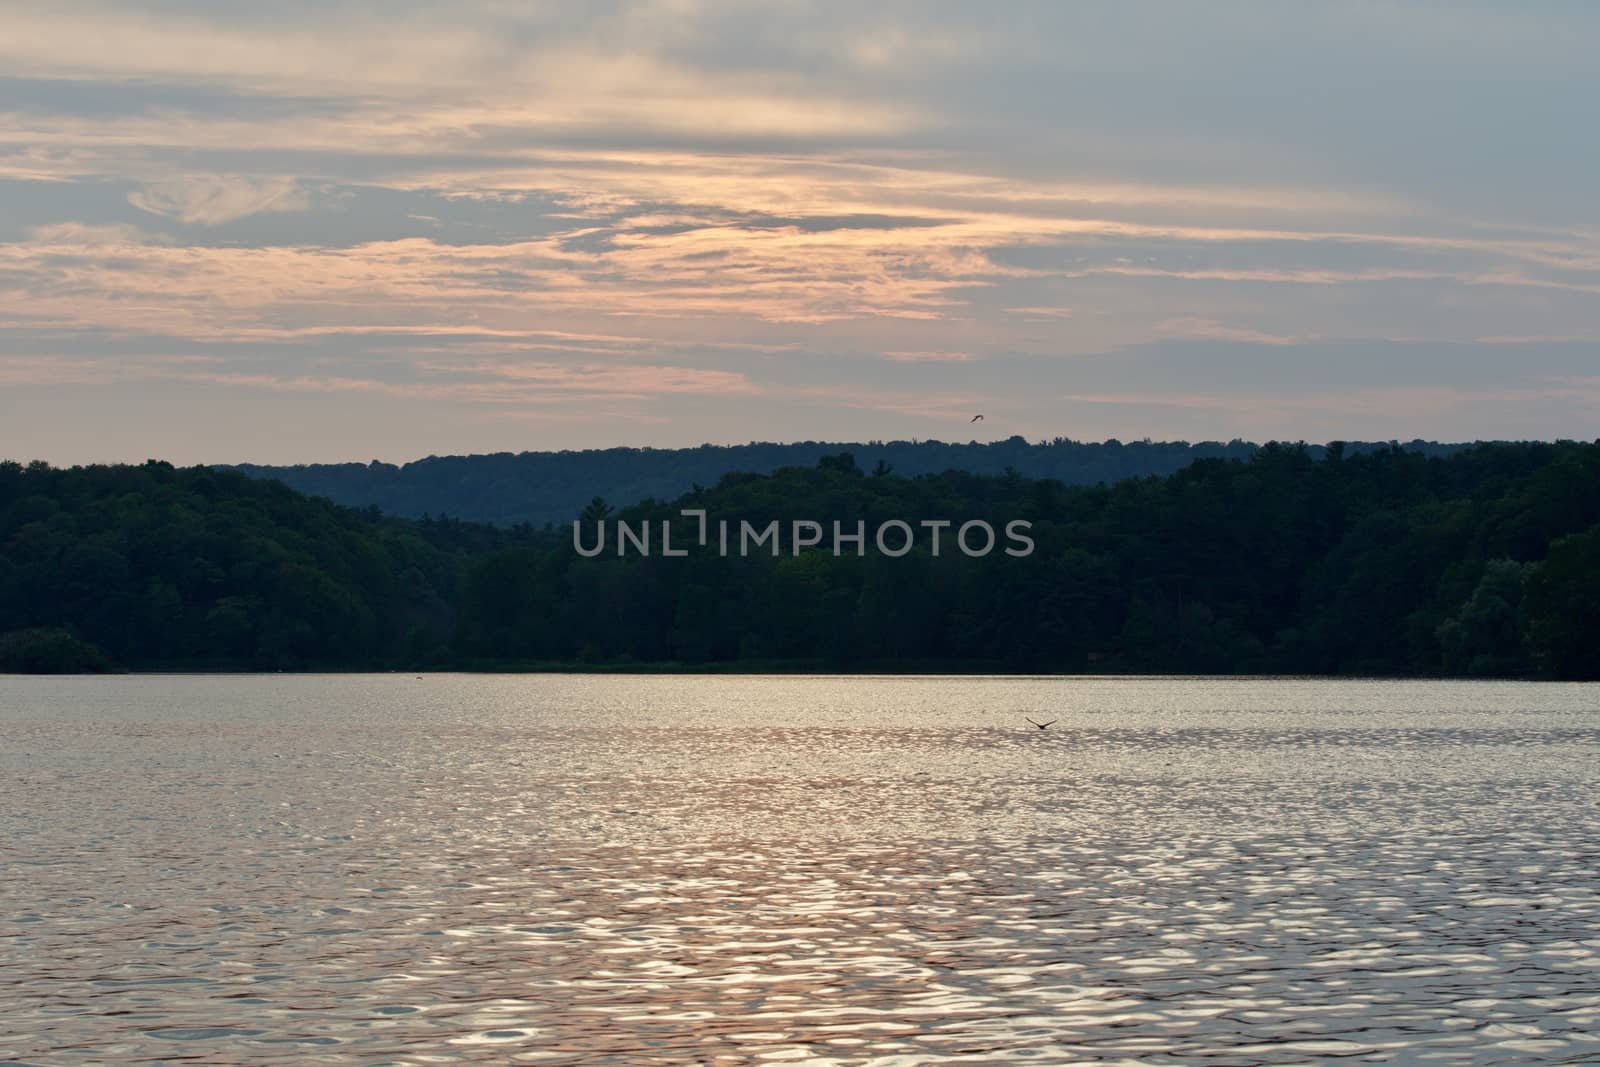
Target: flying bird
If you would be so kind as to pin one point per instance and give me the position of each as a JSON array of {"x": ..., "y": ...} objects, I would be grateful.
[
  {"x": 975, "y": 418},
  {"x": 1042, "y": 725}
]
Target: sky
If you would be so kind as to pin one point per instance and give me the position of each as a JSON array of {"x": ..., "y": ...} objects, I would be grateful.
[{"x": 328, "y": 231}]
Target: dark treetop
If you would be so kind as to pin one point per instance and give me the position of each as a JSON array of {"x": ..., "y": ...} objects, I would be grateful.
[
  {"x": 541, "y": 487},
  {"x": 1484, "y": 562}
]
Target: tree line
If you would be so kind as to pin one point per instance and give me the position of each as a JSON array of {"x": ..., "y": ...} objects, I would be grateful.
[
  {"x": 1481, "y": 562},
  {"x": 543, "y": 487}
]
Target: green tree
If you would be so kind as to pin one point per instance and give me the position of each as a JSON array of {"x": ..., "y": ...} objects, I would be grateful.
[
  {"x": 1563, "y": 608},
  {"x": 1482, "y": 637}
]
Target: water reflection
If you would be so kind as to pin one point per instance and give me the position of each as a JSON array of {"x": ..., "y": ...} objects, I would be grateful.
[{"x": 332, "y": 871}]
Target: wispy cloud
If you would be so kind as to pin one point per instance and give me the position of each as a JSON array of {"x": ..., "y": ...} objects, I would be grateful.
[
  {"x": 923, "y": 356},
  {"x": 818, "y": 212},
  {"x": 217, "y": 199}
]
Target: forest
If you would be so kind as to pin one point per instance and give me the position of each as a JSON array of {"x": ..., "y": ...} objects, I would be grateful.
[
  {"x": 543, "y": 487},
  {"x": 1483, "y": 561}
]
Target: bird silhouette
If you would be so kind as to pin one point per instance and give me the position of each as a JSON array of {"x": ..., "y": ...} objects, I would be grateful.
[
  {"x": 1042, "y": 725},
  {"x": 975, "y": 418}
]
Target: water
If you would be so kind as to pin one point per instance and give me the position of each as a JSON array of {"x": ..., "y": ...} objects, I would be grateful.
[{"x": 821, "y": 871}]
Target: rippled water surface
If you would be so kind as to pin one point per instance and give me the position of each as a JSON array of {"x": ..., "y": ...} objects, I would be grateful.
[{"x": 823, "y": 871}]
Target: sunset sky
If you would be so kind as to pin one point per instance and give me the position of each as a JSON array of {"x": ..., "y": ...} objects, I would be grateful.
[{"x": 331, "y": 231}]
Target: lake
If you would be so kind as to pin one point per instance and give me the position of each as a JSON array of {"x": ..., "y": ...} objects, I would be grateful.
[{"x": 823, "y": 871}]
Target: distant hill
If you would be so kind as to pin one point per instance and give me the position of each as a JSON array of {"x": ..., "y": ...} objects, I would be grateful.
[{"x": 552, "y": 487}]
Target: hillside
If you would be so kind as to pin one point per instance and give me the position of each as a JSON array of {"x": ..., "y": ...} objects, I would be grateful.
[
  {"x": 151, "y": 566},
  {"x": 551, "y": 487},
  {"x": 1483, "y": 563}
]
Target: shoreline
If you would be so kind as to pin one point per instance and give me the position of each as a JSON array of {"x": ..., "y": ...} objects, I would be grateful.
[{"x": 784, "y": 668}]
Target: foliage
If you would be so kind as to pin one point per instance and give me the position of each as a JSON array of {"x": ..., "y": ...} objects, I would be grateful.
[
  {"x": 1383, "y": 561},
  {"x": 50, "y": 650},
  {"x": 1484, "y": 561},
  {"x": 1563, "y": 608},
  {"x": 159, "y": 566}
]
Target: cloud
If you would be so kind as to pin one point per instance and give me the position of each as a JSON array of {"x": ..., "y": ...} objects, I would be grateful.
[
  {"x": 92, "y": 234},
  {"x": 651, "y": 207},
  {"x": 483, "y": 382},
  {"x": 1041, "y": 312},
  {"x": 1194, "y": 326},
  {"x": 900, "y": 356},
  {"x": 211, "y": 201}
]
